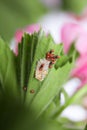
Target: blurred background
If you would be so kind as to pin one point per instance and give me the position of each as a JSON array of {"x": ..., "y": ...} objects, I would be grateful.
[
  {"x": 18, "y": 14},
  {"x": 51, "y": 15}
]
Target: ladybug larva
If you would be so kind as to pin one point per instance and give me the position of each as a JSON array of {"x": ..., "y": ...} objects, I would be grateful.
[{"x": 43, "y": 65}]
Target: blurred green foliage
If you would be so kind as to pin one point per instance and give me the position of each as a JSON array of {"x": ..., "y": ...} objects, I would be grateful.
[
  {"x": 18, "y": 13},
  {"x": 76, "y": 6}
]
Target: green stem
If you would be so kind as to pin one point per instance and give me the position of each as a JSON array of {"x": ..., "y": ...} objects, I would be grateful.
[{"x": 71, "y": 100}]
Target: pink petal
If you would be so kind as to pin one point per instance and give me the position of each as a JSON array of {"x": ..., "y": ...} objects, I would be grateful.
[
  {"x": 32, "y": 28},
  {"x": 69, "y": 33},
  {"x": 81, "y": 43},
  {"x": 18, "y": 35},
  {"x": 81, "y": 69},
  {"x": 82, "y": 60}
]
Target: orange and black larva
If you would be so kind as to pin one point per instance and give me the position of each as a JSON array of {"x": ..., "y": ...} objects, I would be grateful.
[{"x": 43, "y": 65}]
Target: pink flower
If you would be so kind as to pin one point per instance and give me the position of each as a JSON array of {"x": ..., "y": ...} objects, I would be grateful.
[
  {"x": 81, "y": 43},
  {"x": 72, "y": 32},
  {"x": 19, "y": 33},
  {"x": 81, "y": 69}
]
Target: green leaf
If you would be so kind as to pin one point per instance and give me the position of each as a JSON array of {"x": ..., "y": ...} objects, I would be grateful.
[
  {"x": 85, "y": 128},
  {"x": 7, "y": 70},
  {"x": 32, "y": 49},
  {"x": 70, "y": 57},
  {"x": 53, "y": 106},
  {"x": 14, "y": 116},
  {"x": 24, "y": 60},
  {"x": 44, "y": 45},
  {"x": 49, "y": 110},
  {"x": 79, "y": 94},
  {"x": 17, "y": 72},
  {"x": 62, "y": 61},
  {"x": 44, "y": 97}
]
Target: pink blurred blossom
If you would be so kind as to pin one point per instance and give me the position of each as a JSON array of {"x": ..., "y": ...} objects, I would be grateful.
[
  {"x": 72, "y": 32},
  {"x": 69, "y": 33},
  {"x": 19, "y": 33},
  {"x": 55, "y": 20},
  {"x": 81, "y": 70},
  {"x": 81, "y": 43}
]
